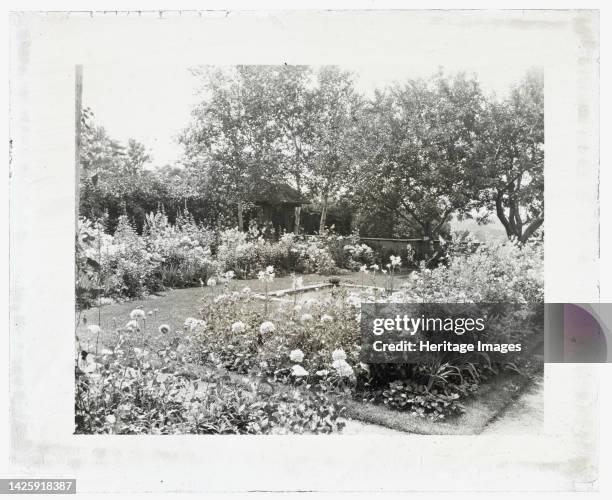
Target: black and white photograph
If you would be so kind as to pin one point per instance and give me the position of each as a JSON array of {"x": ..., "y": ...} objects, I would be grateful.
[
  {"x": 221, "y": 267},
  {"x": 305, "y": 251}
]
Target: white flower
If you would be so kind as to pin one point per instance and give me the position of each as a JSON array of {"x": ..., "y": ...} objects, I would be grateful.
[
  {"x": 220, "y": 298},
  {"x": 132, "y": 325},
  {"x": 267, "y": 275},
  {"x": 164, "y": 329},
  {"x": 298, "y": 371},
  {"x": 384, "y": 270},
  {"x": 150, "y": 313},
  {"x": 343, "y": 368},
  {"x": 111, "y": 419},
  {"x": 87, "y": 364},
  {"x": 238, "y": 327},
  {"x": 192, "y": 323},
  {"x": 306, "y": 317},
  {"x": 353, "y": 300},
  {"x": 396, "y": 261},
  {"x": 374, "y": 266},
  {"x": 364, "y": 366},
  {"x": 198, "y": 323},
  {"x": 267, "y": 327},
  {"x": 363, "y": 268},
  {"x": 297, "y": 356},
  {"x": 322, "y": 373},
  {"x": 339, "y": 355},
  {"x": 137, "y": 314},
  {"x": 229, "y": 275},
  {"x": 326, "y": 318},
  {"x": 211, "y": 282},
  {"x": 94, "y": 329}
]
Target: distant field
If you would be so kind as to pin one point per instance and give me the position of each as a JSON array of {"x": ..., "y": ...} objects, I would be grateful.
[{"x": 489, "y": 232}]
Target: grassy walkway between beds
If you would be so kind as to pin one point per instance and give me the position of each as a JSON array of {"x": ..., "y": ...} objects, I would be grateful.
[{"x": 172, "y": 307}]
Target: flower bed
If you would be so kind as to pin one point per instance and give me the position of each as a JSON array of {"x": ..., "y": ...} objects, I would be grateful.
[
  {"x": 155, "y": 380},
  {"x": 317, "y": 342},
  {"x": 147, "y": 383},
  {"x": 128, "y": 265}
]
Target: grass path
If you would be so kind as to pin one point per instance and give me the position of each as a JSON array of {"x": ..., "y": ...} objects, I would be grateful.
[{"x": 172, "y": 307}]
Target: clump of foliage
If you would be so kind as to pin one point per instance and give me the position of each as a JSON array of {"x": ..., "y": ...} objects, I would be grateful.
[
  {"x": 127, "y": 264},
  {"x": 150, "y": 389},
  {"x": 317, "y": 341},
  {"x": 495, "y": 272}
]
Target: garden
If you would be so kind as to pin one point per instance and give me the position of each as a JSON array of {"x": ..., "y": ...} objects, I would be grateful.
[
  {"x": 265, "y": 343},
  {"x": 222, "y": 293}
]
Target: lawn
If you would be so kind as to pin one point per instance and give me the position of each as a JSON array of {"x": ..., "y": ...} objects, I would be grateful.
[{"x": 172, "y": 307}]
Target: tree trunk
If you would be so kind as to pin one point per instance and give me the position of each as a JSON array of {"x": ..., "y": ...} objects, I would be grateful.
[
  {"x": 532, "y": 228},
  {"x": 298, "y": 212},
  {"x": 323, "y": 216},
  {"x": 298, "y": 209},
  {"x": 240, "y": 217}
]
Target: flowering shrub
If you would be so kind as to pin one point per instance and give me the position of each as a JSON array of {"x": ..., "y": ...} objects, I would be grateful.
[
  {"x": 177, "y": 255},
  {"x": 495, "y": 272},
  {"x": 317, "y": 342},
  {"x": 346, "y": 251},
  {"x": 127, "y": 264},
  {"x": 247, "y": 252},
  {"x": 240, "y": 337},
  {"x": 184, "y": 249},
  {"x": 150, "y": 389}
]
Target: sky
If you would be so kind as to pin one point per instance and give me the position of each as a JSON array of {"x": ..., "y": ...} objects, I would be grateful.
[{"x": 152, "y": 102}]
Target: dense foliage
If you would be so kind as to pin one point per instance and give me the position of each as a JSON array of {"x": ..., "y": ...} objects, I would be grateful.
[
  {"x": 317, "y": 341},
  {"x": 398, "y": 164},
  {"x": 127, "y": 264},
  {"x": 144, "y": 385}
]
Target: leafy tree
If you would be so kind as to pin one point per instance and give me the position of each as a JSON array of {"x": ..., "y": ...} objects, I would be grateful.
[
  {"x": 513, "y": 146},
  {"x": 113, "y": 179},
  {"x": 336, "y": 108},
  {"x": 291, "y": 112},
  {"x": 136, "y": 156},
  {"x": 230, "y": 141},
  {"x": 418, "y": 160}
]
